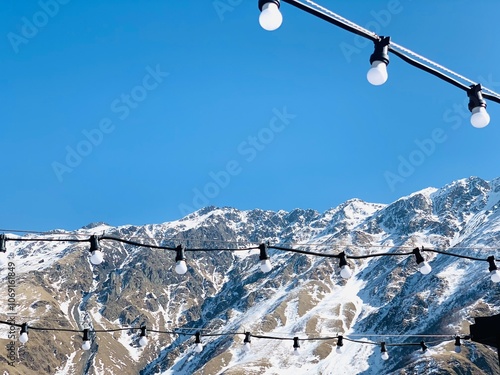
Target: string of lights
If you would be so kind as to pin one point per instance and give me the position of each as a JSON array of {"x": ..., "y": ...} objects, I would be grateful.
[
  {"x": 328, "y": 243},
  {"x": 97, "y": 257},
  {"x": 200, "y": 333},
  {"x": 271, "y": 19}
]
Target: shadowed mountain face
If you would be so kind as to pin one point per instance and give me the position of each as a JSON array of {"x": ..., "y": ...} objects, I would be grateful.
[{"x": 386, "y": 299}]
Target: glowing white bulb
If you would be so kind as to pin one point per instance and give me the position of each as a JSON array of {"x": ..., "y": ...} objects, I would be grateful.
[
  {"x": 86, "y": 345},
  {"x": 246, "y": 347},
  {"x": 265, "y": 265},
  {"x": 340, "y": 349},
  {"x": 181, "y": 267},
  {"x": 479, "y": 118},
  {"x": 495, "y": 276},
  {"x": 143, "y": 341},
  {"x": 296, "y": 351},
  {"x": 96, "y": 257},
  {"x": 345, "y": 272},
  {"x": 384, "y": 356},
  {"x": 3, "y": 258},
  {"x": 377, "y": 74},
  {"x": 424, "y": 268},
  {"x": 198, "y": 348},
  {"x": 270, "y": 18},
  {"x": 458, "y": 349},
  {"x": 23, "y": 338}
]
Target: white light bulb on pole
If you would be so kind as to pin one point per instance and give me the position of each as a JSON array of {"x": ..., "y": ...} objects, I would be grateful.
[
  {"x": 86, "y": 340},
  {"x": 265, "y": 263},
  {"x": 494, "y": 274},
  {"x": 180, "y": 261},
  {"x": 423, "y": 266},
  {"x": 377, "y": 75},
  {"x": 270, "y": 16},
  {"x": 383, "y": 352},
  {"x": 477, "y": 105},
  {"x": 23, "y": 337},
  {"x": 198, "y": 348},
  {"x": 345, "y": 270},
  {"x": 3, "y": 250},
  {"x": 143, "y": 341},
  {"x": 96, "y": 257},
  {"x": 340, "y": 345}
]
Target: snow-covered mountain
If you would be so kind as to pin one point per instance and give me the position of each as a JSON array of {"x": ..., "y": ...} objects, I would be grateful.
[{"x": 225, "y": 292}]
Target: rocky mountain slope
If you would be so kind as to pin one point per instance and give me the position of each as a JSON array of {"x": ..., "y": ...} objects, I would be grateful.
[{"x": 386, "y": 299}]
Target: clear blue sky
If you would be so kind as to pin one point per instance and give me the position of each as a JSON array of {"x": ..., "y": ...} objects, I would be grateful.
[{"x": 134, "y": 112}]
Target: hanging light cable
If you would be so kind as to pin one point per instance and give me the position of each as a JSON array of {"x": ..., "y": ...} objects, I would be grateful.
[
  {"x": 477, "y": 105},
  {"x": 377, "y": 74},
  {"x": 86, "y": 339},
  {"x": 423, "y": 266},
  {"x": 180, "y": 261},
  {"x": 270, "y": 16},
  {"x": 96, "y": 257},
  {"x": 265, "y": 263}
]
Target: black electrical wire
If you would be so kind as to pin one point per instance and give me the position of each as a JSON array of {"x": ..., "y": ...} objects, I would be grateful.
[
  {"x": 374, "y": 37},
  {"x": 287, "y": 249},
  {"x": 329, "y": 19}
]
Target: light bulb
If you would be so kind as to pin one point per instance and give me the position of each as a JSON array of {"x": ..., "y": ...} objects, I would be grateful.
[
  {"x": 3, "y": 258},
  {"x": 495, "y": 276},
  {"x": 424, "y": 268},
  {"x": 181, "y": 267},
  {"x": 143, "y": 341},
  {"x": 345, "y": 272},
  {"x": 377, "y": 74},
  {"x": 265, "y": 265},
  {"x": 340, "y": 349},
  {"x": 246, "y": 347},
  {"x": 96, "y": 257},
  {"x": 198, "y": 348},
  {"x": 270, "y": 18},
  {"x": 23, "y": 338},
  {"x": 479, "y": 118},
  {"x": 86, "y": 345},
  {"x": 384, "y": 356},
  {"x": 296, "y": 351},
  {"x": 458, "y": 349}
]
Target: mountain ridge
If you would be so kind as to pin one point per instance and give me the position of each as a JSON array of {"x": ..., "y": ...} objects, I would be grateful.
[{"x": 302, "y": 295}]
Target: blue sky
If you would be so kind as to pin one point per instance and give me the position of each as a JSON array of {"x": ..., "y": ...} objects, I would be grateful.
[{"x": 134, "y": 112}]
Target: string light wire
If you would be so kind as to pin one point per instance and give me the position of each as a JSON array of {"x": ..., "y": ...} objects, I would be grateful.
[
  {"x": 396, "y": 49},
  {"x": 203, "y": 333}
]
